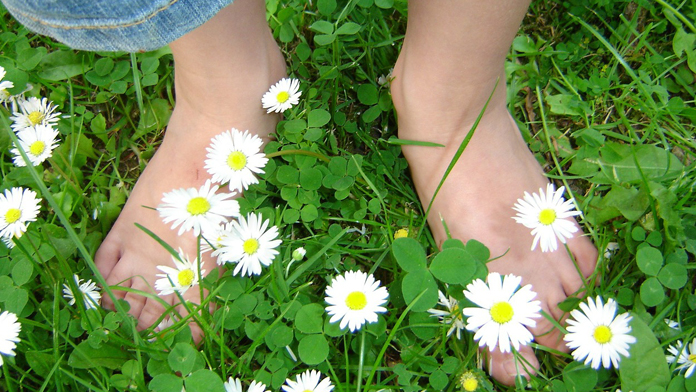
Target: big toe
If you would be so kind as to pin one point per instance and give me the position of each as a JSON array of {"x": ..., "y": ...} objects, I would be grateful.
[{"x": 506, "y": 367}]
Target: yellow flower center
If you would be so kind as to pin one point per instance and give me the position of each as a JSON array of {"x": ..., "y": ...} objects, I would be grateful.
[
  {"x": 35, "y": 117},
  {"x": 198, "y": 206},
  {"x": 470, "y": 384},
  {"x": 401, "y": 233},
  {"x": 502, "y": 312},
  {"x": 12, "y": 215},
  {"x": 37, "y": 148},
  {"x": 282, "y": 96},
  {"x": 602, "y": 334},
  {"x": 236, "y": 160},
  {"x": 251, "y": 246},
  {"x": 185, "y": 277},
  {"x": 692, "y": 358},
  {"x": 547, "y": 216},
  {"x": 356, "y": 300}
]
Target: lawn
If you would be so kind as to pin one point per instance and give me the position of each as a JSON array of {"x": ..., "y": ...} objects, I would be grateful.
[{"x": 603, "y": 92}]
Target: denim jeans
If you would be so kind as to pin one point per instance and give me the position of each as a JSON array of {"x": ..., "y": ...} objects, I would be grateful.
[{"x": 114, "y": 25}]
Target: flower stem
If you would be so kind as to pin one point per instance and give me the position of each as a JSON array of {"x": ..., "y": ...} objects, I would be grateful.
[
  {"x": 299, "y": 152},
  {"x": 362, "y": 359}
]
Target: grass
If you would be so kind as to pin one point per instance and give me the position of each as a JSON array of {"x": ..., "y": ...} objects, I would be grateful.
[{"x": 603, "y": 92}]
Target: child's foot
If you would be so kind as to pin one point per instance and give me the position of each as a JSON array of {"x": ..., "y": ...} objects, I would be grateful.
[
  {"x": 477, "y": 198},
  {"x": 219, "y": 84}
]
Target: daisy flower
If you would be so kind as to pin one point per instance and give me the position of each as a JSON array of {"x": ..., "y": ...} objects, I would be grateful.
[
  {"x": 181, "y": 278},
  {"x": 672, "y": 324},
  {"x": 4, "y": 85},
  {"x": 235, "y": 385},
  {"x": 504, "y": 312},
  {"x": 9, "y": 334},
  {"x": 299, "y": 254},
  {"x": 452, "y": 316},
  {"x": 282, "y": 95},
  {"x": 214, "y": 241},
  {"x": 18, "y": 207},
  {"x": 90, "y": 292},
  {"x": 308, "y": 382},
  {"x": 469, "y": 381},
  {"x": 685, "y": 357},
  {"x": 355, "y": 298},
  {"x": 546, "y": 215},
  {"x": 251, "y": 244},
  {"x": 198, "y": 209},
  {"x": 234, "y": 157},
  {"x": 38, "y": 143},
  {"x": 597, "y": 335},
  {"x": 34, "y": 111},
  {"x": 8, "y": 242}
]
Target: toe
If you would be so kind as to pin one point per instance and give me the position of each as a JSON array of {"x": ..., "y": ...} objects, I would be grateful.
[
  {"x": 107, "y": 256},
  {"x": 585, "y": 253},
  {"x": 546, "y": 333},
  {"x": 506, "y": 367},
  {"x": 151, "y": 312}
]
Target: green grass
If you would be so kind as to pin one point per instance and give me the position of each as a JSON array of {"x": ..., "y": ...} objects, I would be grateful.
[{"x": 603, "y": 92}]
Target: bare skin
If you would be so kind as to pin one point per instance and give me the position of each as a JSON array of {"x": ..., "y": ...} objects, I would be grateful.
[
  {"x": 444, "y": 74},
  {"x": 223, "y": 68}
]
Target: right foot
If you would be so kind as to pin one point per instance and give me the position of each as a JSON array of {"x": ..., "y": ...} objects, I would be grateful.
[
  {"x": 218, "y": 87},
  {"x": 476, "y": 200}
]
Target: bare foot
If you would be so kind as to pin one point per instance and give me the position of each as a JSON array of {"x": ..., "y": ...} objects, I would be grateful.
[
  {"x": 223, "y": 68},
  {"x": 477, "y": 198}
]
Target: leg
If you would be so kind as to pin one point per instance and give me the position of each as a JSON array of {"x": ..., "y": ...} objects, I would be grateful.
[
  {"x": 452, "y": 55},
  {"x": 222, "y": 70}
]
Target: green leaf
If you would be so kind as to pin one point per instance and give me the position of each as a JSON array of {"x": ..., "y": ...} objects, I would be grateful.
[
  {"x": 368, "y": 94},
  {"x": 453, "y": 243},
  {"x": 654, "y": 163},
  {"x": 578, "y": 377},
  {"x": 326, "y": 7},
  {"x": 310, "y": 179},
  {"x": 409, "y": 254},
  {"x": 646, "y": 366},
  {"x": 683, "y": 42},
  {"x": 309, "y": 318},
  {"x": 318, "y": 118},
  {"x": 314, "y": 349},
  {"x": 103, "y": 66},
  {"x": 673, "y": 276},
  {"x": 569, "y": 104},
  {"x": 417, "y": 282},
  {"x": 62, "y": 65},
  {"x": 309, "y": 213},
  {"x": 651, "y": 292},
  {"x": 324, "y": 39},
  {"x": 22, "y": 271},
  {"x": 453, "y": 266},
  {"x": 348, "y": 28},
  {"x": 478, "y": 250},
  {"x": 182, "y": 358},
  {"x": 166, "y": 383},
  {"x": 204, "y": 380},
  {"x": 403, "y": 142},
  {"x": 282, "y": 336},
  {"x": 649, "y": 260},
  {"x": 371, "y": 114},
  {"x": 108, "y": 356},
  {"x": 438, "y": 380},
  {"x": 287, "y": 175},
  {"x": 385, "y": 4}
]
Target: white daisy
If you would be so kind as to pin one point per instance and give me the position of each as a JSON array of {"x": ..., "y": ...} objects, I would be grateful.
[
  {"x": 234, "y": 157},
  {"x": 90, "y": 292},
  {"x": 685, "y": 357},
  {"x": 235, "y": 385},
  {"x": 38, "y": 142},
  {"x": 355, "y": 298},
  {"x": 299, "y": 254},
  {"x": 282, "y": 96},
  {"x": 34, "y": 111},
  {"x": 452, "y": 316},
  {"x": 597, "y": 335},
  {"x": 18, "y": 207},
  {"x": 213, "y": 241},
  {"x": 504, "y": 313},
  {"x": 308, "y": 382},
  {"x": 198, "y": 209},
  {"x": 181, "y": 278},
  {"x": 672, "y": 324},
  {"x": 611, "y": 250},
  {"x": 251, "y": 244},
  {"x": 546, "y": 215},
  {"x": 9, "y": 334},
  {"x": 4, "y": 85}
]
